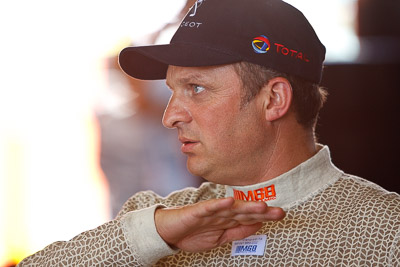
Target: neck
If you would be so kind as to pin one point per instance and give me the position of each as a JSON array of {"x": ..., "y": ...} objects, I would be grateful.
[{"x": 292, "y": 145}]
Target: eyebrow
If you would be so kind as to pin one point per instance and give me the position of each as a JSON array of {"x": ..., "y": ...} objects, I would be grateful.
[{"x": 189, "y": 78}]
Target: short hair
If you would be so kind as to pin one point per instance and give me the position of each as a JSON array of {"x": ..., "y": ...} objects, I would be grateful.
[{"x": 308, "y": 97}]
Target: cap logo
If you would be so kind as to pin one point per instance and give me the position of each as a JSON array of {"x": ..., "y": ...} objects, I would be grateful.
[
  {"x": 195, "y": 7},
  {"x": 261, "y": 44}
]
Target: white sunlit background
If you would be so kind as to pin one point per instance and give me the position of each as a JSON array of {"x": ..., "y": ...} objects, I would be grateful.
[{"x": 52, "y": 77}]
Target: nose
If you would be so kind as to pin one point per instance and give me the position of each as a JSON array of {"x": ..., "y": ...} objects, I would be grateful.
[{"x": 176, "y": 113}]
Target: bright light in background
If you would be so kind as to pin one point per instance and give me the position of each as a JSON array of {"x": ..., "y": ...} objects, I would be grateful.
[
  {"x": 334, "y": 22},
  {"x": 51, "y": 187}
]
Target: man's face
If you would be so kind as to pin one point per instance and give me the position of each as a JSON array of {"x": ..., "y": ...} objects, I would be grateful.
[{"x": 223, "y": 139}]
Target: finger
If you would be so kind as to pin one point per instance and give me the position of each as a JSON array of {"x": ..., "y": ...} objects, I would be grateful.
[
  {"x": 228, "y": 207},
  {"x": 239, "y": 232},
  {"x": 217, "y": 205},
  {"x": 253, "y": 207},
  {"x": 235, "y": 219},
  {"x": 212, "y": 206},
  {"x": 243, "y": 207},
  {"x": 275, "y": 213},
  {"x": 247, "y": 211}
]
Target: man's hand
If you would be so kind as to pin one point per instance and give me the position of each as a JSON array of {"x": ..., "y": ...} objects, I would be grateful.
[{"x": 212, "y": 223}]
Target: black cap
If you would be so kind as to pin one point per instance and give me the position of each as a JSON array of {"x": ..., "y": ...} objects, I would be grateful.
[{"x": 269, "y": 33}]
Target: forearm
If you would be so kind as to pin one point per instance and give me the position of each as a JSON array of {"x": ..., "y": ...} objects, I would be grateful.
[{"x": 122, "y": 242}]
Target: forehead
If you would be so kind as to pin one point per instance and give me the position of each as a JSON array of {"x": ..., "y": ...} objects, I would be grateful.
[{"x": 183, "y": 75}]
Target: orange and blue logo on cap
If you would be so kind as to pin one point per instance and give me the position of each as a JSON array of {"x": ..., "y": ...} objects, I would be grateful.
[{"x": 261, "y": 44}]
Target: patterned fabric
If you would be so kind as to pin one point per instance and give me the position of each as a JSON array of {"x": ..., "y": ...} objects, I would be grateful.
[
  {"x": 350, "y": 222},
  {"x": 103, "y": 246}
]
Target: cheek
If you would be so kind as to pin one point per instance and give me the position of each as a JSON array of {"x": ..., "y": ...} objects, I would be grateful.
[
  {"x": 225, "y": 126},
  {"x": 222, "y": 131},
  {"x": 214, "y": 127},
  {"x": 219, "y": 121},
  {"x": 245, "y": 131}
]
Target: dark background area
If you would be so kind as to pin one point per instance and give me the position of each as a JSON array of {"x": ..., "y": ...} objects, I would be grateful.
[{"x": 360, "y": 121}]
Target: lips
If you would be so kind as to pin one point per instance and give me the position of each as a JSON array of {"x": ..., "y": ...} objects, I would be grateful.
[{"x": 188, "y": 145}]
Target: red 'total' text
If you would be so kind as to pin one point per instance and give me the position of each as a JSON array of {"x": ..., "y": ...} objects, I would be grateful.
[{"x": 281, "y": 49}]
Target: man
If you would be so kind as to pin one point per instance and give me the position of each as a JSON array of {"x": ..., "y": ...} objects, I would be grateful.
[{"x": 244, "y": 77}]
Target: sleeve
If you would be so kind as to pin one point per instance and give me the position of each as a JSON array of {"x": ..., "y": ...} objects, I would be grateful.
[
  {"x": 148, "y": 244},
  {"x": 131, "y": 240}
]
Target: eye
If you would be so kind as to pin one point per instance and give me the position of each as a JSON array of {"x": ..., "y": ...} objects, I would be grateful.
[{"x": 197, "y": 89}]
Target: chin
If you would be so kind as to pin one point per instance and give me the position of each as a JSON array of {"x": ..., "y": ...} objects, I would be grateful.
[
  {"x": 210, "y": 176},
  {"x": 205, "y": 170},
  {"x": 196, "y": 171}
]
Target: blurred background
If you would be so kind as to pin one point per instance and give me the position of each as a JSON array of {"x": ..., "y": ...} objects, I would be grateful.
[{"x": 77, "y": 137}]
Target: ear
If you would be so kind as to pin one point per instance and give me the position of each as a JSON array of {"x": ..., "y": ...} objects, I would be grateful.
[{"x": 278, "y": 98}]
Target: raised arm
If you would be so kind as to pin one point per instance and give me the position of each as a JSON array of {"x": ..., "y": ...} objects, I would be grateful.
[
  {"x": 212, "y": 223},
  {"x": 142, "y": 237}
]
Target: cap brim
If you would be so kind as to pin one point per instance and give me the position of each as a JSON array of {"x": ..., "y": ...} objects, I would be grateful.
[{"x": 151, "y": 62}]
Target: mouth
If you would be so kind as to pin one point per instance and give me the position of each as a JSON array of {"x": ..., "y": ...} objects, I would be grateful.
[{"x": 187, "y": 145}]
